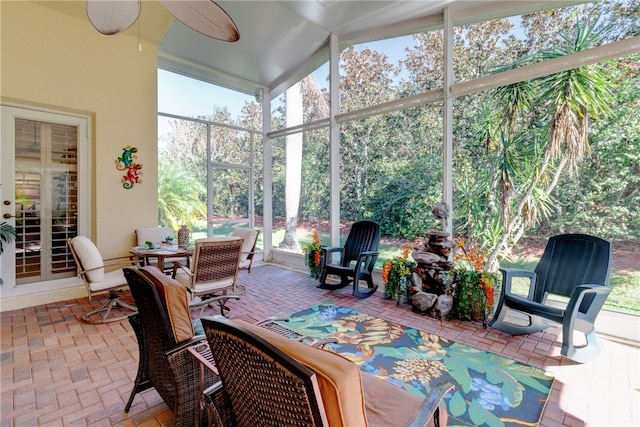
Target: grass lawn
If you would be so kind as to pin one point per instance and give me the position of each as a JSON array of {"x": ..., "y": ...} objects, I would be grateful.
[{"x": 625, "y": 286}]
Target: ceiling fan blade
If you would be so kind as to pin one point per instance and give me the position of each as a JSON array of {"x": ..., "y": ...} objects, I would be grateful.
[
  {"x": 112, "y": 16},
  {"x": 204, "y": 16}
]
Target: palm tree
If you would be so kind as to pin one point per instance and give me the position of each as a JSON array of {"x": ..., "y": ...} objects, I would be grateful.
[
  {"x": 571, "y": 98},
  {"x": 179, "y": 196}
]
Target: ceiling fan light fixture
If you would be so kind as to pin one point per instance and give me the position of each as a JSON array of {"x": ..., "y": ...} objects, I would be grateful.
[
  {"x": 112, "y": 16},
  {"x": 205, "y": 17}
]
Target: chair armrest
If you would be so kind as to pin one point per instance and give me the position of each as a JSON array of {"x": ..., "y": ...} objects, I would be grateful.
[
  {"x": 367, "y": 254},
  {"x": 508, "y": 275},
  {"x": 109, "y": 263},
  {"x": 125, "y": 259},
  {"x": 198, "y": 339},
  {"x": 430, "y": 404},
  {"x": 177, "y": 265},
  {"x": 327, "y": 251},
  {"x": 332, "y": 249},
  {"x": 600, "y": 293}
]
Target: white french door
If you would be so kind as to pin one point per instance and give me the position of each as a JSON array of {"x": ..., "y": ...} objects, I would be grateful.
[{"x": 44, "y": 190}]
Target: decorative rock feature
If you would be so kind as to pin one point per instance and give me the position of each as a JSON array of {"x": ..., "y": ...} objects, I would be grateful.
[
  {"x": 433, "y": 261},
  {"x": 432, "y": 272},
  {"x": 423, "y": 302}
]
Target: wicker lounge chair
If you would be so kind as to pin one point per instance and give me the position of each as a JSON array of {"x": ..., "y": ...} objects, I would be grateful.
[
  {"x": 164, "y": 331},
  {"x": 272, "y": 380}
]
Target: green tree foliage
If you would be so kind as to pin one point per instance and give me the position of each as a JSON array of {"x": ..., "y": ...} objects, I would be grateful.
[
  {"x": 605, "y": 195},
  {"x": 513, "y": 147},
  {"x": 179, "y": 193}
]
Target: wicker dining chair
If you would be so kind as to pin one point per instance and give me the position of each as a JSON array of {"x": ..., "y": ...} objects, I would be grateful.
[
  {"x": 213, "y": 277},
  {"x": 164, "y": 331}
]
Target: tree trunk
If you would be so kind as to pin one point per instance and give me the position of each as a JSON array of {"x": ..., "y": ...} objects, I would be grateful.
[{"x": 294, "y": 168}]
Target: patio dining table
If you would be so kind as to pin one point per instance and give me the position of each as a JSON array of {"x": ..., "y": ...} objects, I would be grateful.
[{"x": 161, "y": 253}]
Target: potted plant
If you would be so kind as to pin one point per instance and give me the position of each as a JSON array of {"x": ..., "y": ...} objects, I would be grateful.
[
  {"x": 313, "y": 256},
  {"x": 473, "y": 285},
  {"x": 7, "y": 235},
  {"x": 396, "y": 275}
]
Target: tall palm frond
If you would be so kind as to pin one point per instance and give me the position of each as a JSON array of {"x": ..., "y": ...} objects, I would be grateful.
[
  {"x": 489, "y": 127},
  {"x": 574, "y": 96},
  {"x": 513, "y": 100}
]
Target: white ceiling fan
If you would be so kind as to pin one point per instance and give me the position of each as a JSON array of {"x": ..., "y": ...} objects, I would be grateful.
[{"x": 204, "y": 16}]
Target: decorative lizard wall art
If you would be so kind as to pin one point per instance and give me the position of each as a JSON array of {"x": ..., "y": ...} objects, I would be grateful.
[{"x": 126, "y": 163}]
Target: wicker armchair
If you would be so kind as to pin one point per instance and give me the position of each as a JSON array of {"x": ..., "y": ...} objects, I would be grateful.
[
  {"x": 272, "y": 380},
  {"x": 164, "y": 331},
  {"x": 214, "y": 275}
]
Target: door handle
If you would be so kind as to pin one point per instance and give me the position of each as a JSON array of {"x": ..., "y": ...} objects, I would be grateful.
[{"x": 8, "y": 215}]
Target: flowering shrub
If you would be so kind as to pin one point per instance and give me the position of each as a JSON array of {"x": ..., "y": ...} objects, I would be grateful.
[
  {"x": 396, "y": 273},
  {"x": 473, "y": 286},
  {"x": 313, "y": 256}
]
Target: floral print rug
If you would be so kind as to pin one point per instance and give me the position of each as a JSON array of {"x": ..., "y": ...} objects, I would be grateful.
[{"x": 490, "y": 389}]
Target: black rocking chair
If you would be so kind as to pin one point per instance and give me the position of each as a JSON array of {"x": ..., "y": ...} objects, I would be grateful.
[
  {"x": 576, "y": 266},
  {"x": 357, "y": 259}
]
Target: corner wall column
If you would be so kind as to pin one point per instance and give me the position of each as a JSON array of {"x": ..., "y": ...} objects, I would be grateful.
[
  {"x": 447, "y": 152},
  {"x": 334, "y": 141},
  {"x": 268, "y": 175}
]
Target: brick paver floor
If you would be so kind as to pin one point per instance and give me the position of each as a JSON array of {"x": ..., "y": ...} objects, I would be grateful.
[{"x": 56, "y": 370}]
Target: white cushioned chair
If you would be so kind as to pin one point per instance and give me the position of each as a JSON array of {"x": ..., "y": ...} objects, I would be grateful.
[
  {"x": 248, "y": 247},
  {"x": 157, "y": 235},
  {"x": 101, "y": 275}
]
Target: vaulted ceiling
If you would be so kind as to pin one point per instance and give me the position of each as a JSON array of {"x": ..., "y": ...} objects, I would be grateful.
[{"x": 282, "y": 41}]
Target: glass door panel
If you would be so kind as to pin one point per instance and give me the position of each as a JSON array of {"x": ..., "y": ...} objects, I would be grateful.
[{"x": 46, "y": 199}]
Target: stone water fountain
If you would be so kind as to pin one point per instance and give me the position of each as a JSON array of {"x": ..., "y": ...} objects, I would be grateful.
[{"x": 432, "y": 276}]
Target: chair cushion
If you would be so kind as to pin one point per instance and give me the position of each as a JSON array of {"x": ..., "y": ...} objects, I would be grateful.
[
  {"x": 389, "y": 405},
  {"x": 338, "y": 378},
  {"x": 249, "y": 237},
  {"x": 90, "y": 257},
  {"x": 203, "y": 288},
  {"x": 175, "y": 302},
  {"x": 110, "y": 280}
]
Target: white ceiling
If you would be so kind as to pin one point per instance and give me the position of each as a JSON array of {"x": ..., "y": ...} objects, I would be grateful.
[{"x": 282, "y": 41}]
